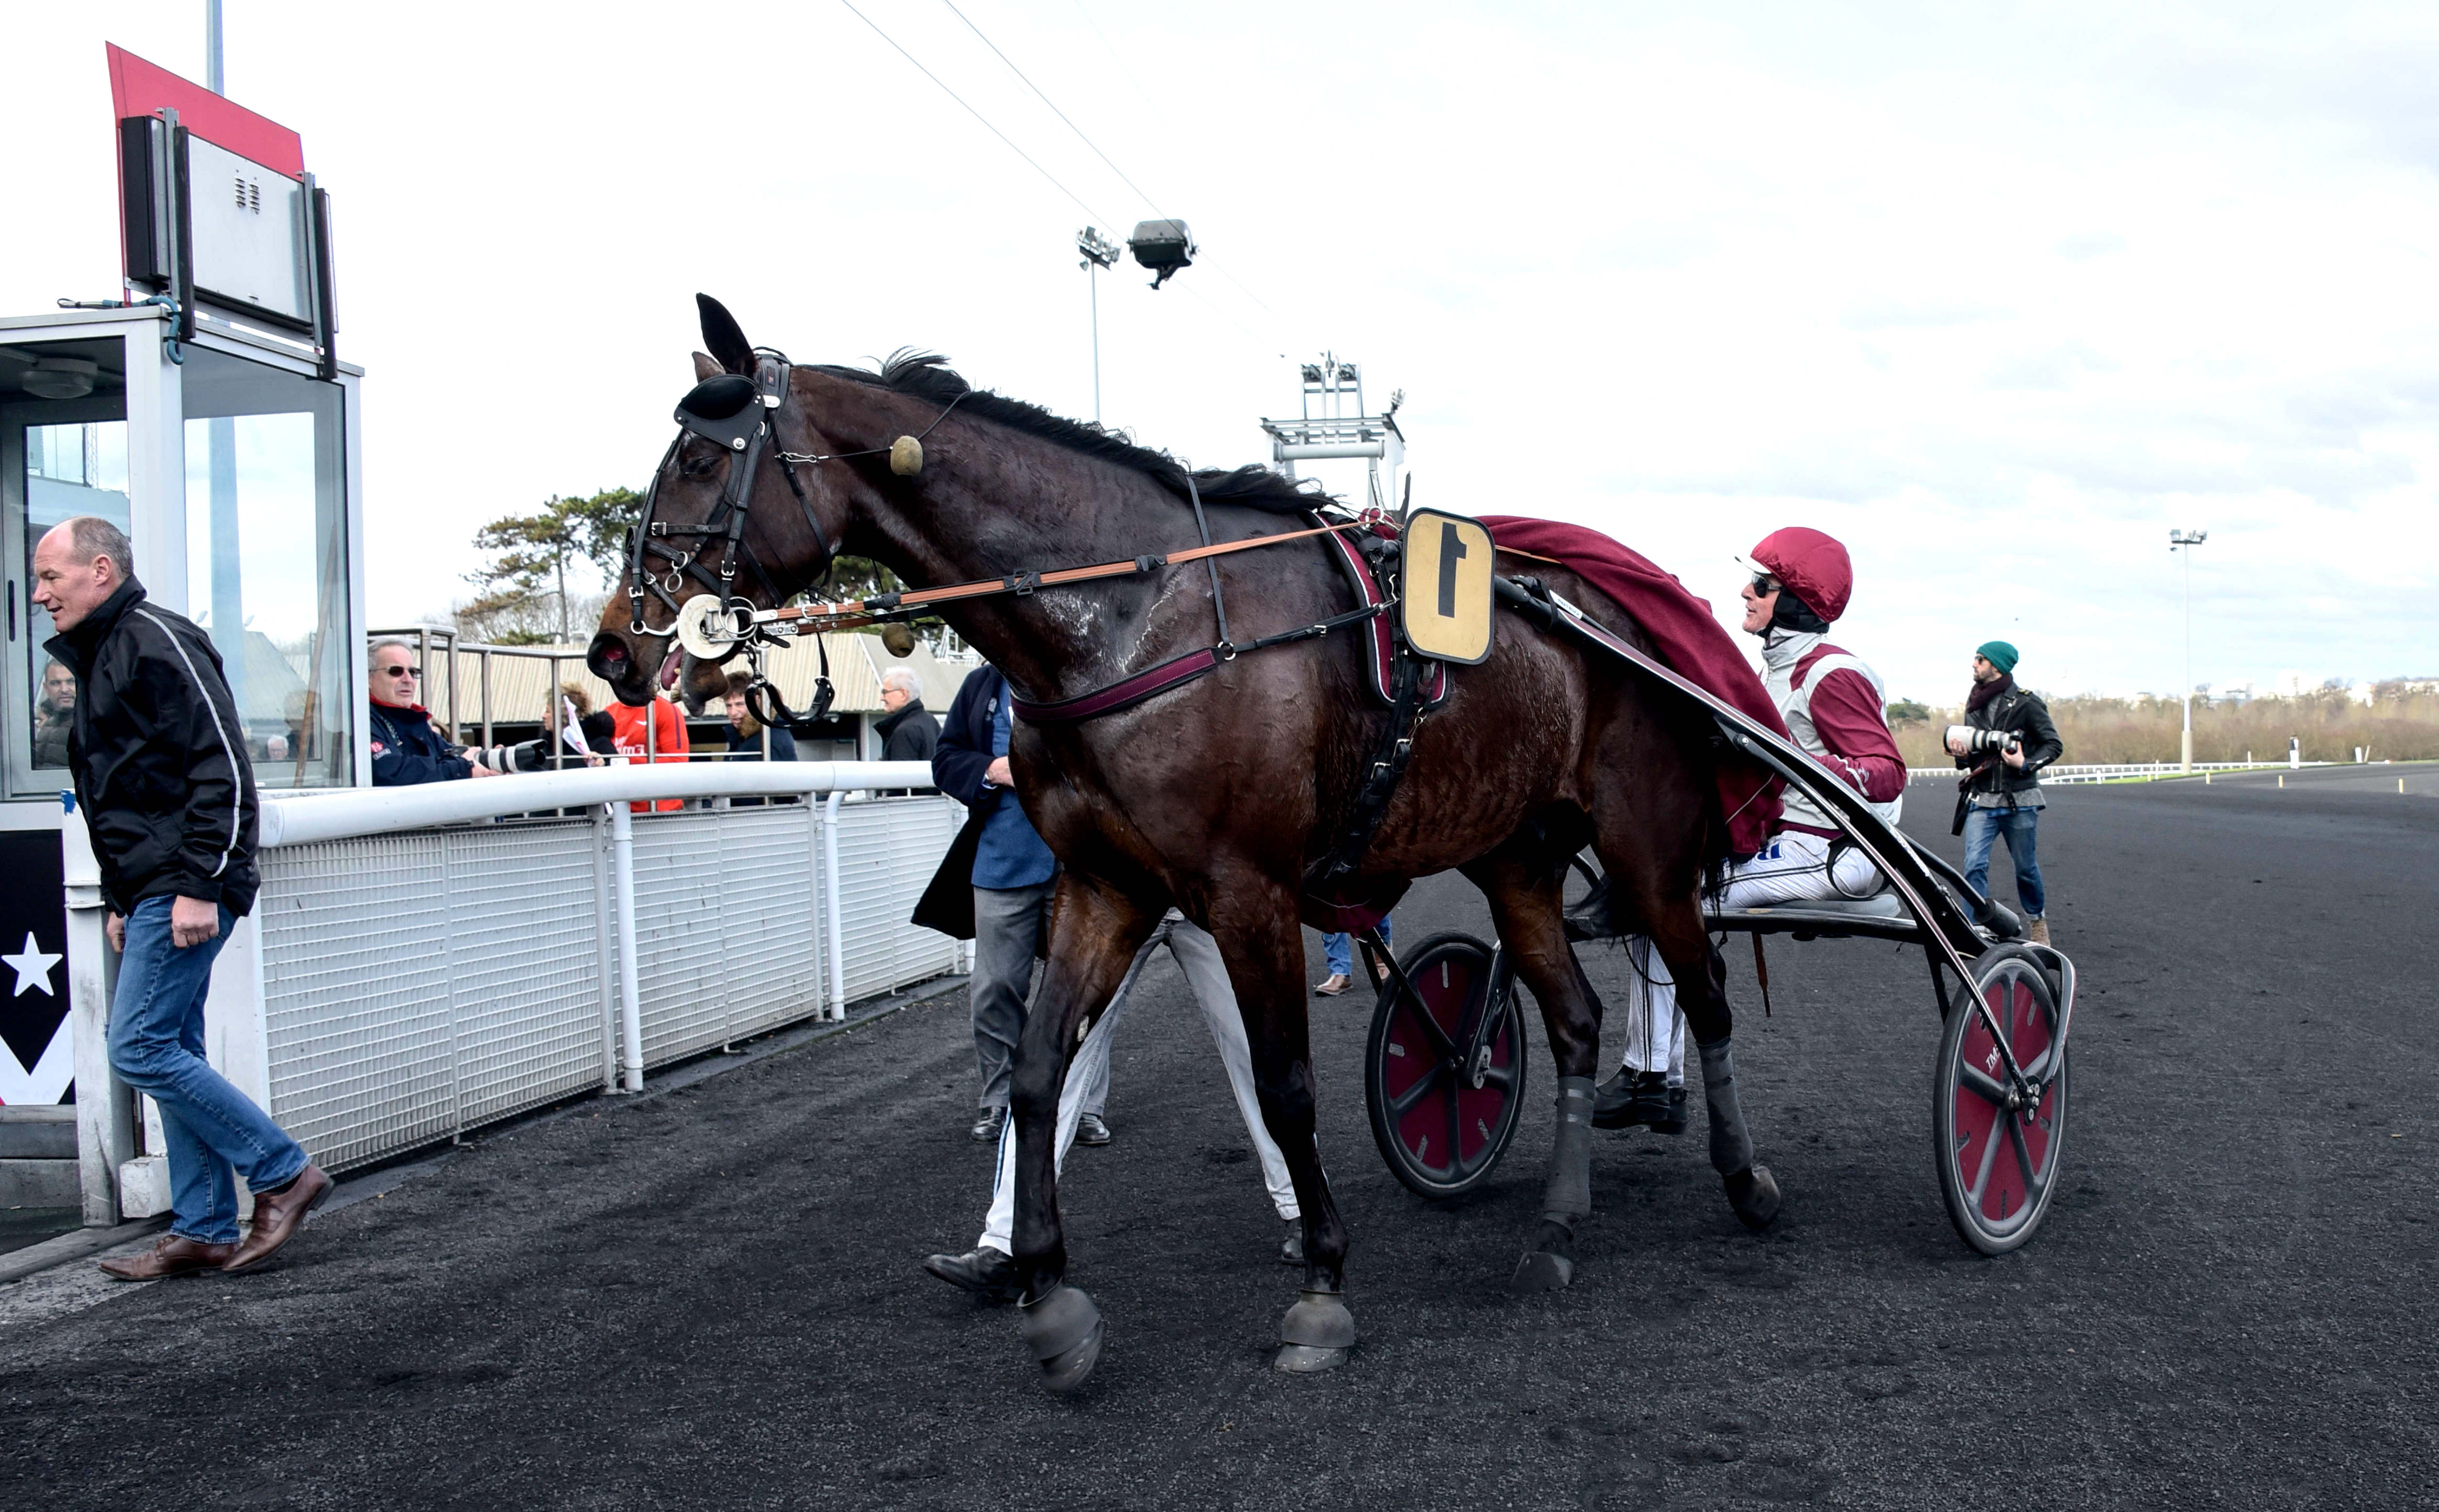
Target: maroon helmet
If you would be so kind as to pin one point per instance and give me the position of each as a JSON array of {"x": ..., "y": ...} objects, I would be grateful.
[{"x": 1813, "y": 566}]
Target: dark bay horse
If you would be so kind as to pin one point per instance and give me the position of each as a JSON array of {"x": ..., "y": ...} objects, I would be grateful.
[{"x": 1218, "y": 795}]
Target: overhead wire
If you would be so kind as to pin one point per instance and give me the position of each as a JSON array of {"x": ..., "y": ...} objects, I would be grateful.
[
  {"x": 1088, "y": 141},
  {"x": 1051, "y": 178},
  {"x": 979, "y": 115}
]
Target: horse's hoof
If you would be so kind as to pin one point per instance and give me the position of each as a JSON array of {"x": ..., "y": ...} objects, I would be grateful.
[
  {"x": 1065, "y": 1373},
  {"x": 1063, "y": 1330},
  {"x": 1754, "y": 1195},
  {"x": 1317, "y": 1334},
  {"x": 1542, "y": 1270},
  {"x": 1304, "y": 1359}
]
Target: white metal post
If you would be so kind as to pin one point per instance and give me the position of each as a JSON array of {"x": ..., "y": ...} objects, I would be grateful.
[
  {"x": 2186, "y": 762},
  {"x": 837, "y": 894},
  {"x": 622, "y": 886},
  {"x": 105, "y": 1111}
]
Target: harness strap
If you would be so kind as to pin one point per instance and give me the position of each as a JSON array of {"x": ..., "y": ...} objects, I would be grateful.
[
  {"x": 1202, "y": 527},
  {"x": 1381, "y": 778}
]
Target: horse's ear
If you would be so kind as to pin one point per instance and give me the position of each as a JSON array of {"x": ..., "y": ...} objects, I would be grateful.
[
  {"x": 705, "y": 368},
  {"x": 721, "y": 333}
]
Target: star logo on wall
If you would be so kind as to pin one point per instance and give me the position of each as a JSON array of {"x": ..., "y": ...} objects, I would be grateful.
[{"x": 32, "y": 966}]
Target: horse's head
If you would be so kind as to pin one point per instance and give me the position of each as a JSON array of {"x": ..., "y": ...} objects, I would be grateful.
[{"x": 722, "y": 516}]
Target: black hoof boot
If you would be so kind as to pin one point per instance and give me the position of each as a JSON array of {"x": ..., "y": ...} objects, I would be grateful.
[
  {"x": 1549, "y": 1265},
  {"x": 1317, "y": 1334},
  {"x": 1063, "y": 1330},
  {"x": 1755, "y": 1196}
]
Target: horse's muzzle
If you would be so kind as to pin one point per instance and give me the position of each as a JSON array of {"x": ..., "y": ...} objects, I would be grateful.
[{"x": 612, "y": 661}]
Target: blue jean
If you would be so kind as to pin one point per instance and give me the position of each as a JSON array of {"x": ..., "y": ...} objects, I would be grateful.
[
  {"x": 215, "y": 1132},
  {"x": 1983, "y": 827},
  {"x": 1341, "y": 949}
]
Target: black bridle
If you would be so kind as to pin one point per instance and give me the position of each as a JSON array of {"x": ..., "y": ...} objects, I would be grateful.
[{"x": 738, "y": 414}]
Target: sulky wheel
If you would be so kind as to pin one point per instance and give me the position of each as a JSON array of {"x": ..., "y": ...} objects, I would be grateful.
[
  {"x": 1442, "y": 1125},
  {"x": 1998, "y": 1130}
]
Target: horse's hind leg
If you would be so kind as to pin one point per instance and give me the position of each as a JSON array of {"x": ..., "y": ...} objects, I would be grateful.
[
  {"x": 1525, "y": 889},
  {"x": 1255, "y": 922},
  {"x": 1678, "y": 934},
  {"x": 1095, "y": 933}
]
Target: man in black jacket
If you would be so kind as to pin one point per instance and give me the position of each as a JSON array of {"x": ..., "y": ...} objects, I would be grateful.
[
  {"x": 158, "y": 758},
  {"x": 2000, "y": 794},
  {"x": 908, "y": 732}
]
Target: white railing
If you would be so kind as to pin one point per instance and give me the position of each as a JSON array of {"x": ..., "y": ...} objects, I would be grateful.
[
  {"x": 424, "y": 960},
  {"x": 2122, "y": 772}
]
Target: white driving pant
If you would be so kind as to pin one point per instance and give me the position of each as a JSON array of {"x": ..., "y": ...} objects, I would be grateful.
[
  {"x": 1197, "y": 956},
  {"x": 1793, "y": 866}
]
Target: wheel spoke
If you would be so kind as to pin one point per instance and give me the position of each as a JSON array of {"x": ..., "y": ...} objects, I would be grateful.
[
  {"x": 2033, "y": 1181},
  {"x": 1415, "y": 1009},
  {"x": 1500, "y": 1078},
  {"x": 1983, "y": 1087},
  {"x": 2039, "y": 1067},
  {"x": 1989, "y": 1156},
  {"x": 1404, "y": 1102}
]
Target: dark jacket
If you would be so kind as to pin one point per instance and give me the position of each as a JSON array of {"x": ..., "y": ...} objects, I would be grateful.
[
  {"x": 158, "y": 757},
  {"x": 743, "y": 747},
  {"x": 2024, "y": 713},
  {"x": 959, "y": 759},
  {"x": 407, "y": 750},
  {"x": 909, "y": 735}
]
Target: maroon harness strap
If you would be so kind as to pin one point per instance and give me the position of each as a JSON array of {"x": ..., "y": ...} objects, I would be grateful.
[{"x": 1121, "y": 694}]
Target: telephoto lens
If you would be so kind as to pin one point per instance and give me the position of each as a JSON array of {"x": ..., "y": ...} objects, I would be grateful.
[
  {"x": 524, "y": 757},
  {"x": 1977, "y": 742}
]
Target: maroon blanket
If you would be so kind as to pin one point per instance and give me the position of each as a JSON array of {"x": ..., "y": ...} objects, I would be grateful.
[{"x": 1687, "y": 638}]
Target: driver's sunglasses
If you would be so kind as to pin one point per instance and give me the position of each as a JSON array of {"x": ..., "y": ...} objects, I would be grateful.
[
  {"x": 1764, "y": 585},
  {"x": 403, "y": 671}
]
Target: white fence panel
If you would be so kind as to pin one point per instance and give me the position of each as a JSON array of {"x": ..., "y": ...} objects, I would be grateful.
[
  {"x": 888, "y": 850},
  {"x": 417, "y": 983}
]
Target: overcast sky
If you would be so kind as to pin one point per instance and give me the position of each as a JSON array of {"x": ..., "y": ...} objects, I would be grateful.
[{"x": 1996, "y": 297}]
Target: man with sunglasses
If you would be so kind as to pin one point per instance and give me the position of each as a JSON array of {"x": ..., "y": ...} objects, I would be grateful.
[
  {"x": 407, "y": 747},
  {"x": 1834, "y": 706}
]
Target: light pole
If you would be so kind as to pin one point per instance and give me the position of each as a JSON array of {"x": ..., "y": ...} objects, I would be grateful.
[
  {"x": 1099, "y": 252},
  {"x": 2186, "y": 540}
]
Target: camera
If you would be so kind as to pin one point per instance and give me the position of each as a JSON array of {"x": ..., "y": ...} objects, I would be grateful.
[{"x": 1975, "y": 742}]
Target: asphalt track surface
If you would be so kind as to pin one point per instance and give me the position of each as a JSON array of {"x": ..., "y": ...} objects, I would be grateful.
[{"x": 709, "y": 1298}]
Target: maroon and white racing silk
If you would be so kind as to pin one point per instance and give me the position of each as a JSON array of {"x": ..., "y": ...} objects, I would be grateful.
[{"x": 1832, "y": 704}]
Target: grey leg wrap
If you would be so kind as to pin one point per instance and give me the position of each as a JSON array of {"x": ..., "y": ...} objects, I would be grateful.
[
  {"x": 1731, "y": 1145},
  {"x": 1569, "y": 1196}
]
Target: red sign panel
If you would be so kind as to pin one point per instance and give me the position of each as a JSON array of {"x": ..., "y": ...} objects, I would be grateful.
[{"x": 138, "y": 88}]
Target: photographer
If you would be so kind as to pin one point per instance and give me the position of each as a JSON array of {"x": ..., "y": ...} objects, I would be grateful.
[
  {"x": 2004, "y": 741},
  {"x": 407, "y": 747}
]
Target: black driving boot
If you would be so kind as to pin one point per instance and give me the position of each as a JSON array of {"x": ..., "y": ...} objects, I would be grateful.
[
  {"x": 984, "y": 1272},
  {"x": 986, "y": 1126},
  {"x": 1291, "y": 1247},
  {"x": 1639, "y": 1100}
]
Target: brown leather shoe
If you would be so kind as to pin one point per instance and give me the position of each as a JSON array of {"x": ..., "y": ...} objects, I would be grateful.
[
  {"x": 1332, "y": 985},
  {"x": 170, "y": 1254},
  {"x": 278, "y": 1215}
]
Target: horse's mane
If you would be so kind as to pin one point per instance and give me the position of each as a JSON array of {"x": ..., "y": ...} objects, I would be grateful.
[{"x": 928, "y": 375}]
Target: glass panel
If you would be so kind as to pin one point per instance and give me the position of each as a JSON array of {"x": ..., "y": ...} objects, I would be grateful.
[
  {"x": 266, "y": 559},
  {"x": 62, "y": 453}
]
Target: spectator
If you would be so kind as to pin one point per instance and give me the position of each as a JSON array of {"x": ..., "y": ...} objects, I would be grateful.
[
  {"x": 662, "y": 740},
  {"x": 161, "y": 780},
  {"x": 53, "y": 714},
  {"x": 1011, "y": 873},
  {"x": 908, "y": 732},
  {"x": 1339, "y": 949},
  {"x": 407, "y": 747},
  {"x": 1999, "y": 796},
  {"x": 745, "y": 732}
]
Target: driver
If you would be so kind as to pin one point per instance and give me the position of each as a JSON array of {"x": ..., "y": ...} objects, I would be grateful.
[{"x": 1833, "y": 705}]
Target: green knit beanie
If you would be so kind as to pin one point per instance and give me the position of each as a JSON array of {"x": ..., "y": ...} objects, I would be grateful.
[{"x": 1999, "y": 654}]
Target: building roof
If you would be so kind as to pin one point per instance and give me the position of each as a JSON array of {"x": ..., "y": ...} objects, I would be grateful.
[{"x": 520, "y": 676}]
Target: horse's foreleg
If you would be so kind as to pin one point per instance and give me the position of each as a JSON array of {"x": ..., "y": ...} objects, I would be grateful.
[
  {"x": 1701, "y": 976},
  {"x": 1093, "y": 935},
  {"x": 1525, "y": 893},
  {"x": 1255, "y": 922}
]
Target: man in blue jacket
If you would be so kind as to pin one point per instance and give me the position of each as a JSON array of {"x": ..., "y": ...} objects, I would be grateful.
[
  {"x": 1013, "y": 876},
  {"x": 406, "y": 748}
]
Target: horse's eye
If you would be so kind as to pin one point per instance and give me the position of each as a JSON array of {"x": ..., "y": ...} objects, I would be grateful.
[{"x": 697, "y": 467}]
